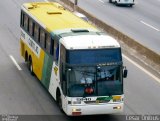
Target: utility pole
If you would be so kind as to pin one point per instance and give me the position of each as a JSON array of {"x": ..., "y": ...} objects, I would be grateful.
[{"x": 75, "y": 4}]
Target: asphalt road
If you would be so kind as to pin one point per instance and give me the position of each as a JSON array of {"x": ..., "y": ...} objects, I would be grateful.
[
  {"x": 140, "y": 22},
  {"x": 21, "y": 93}
]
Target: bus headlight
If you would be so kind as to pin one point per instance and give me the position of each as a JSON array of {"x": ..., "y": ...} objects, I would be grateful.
[{"x": 76, "y": 102}]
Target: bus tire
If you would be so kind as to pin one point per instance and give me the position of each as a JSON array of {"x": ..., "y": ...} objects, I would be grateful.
[
  {"x": 59, "y": 100},
  {"x": 26, "y": 56},
  {"x": 116, "y": 3},
  {"x": 110, "y": 1},
  {"x": 30, "y": 66}
]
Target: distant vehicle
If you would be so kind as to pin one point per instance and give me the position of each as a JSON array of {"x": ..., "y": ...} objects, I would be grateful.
[
  {"x": 123, "y": 2},
  {"x": 81, "y": 15}
]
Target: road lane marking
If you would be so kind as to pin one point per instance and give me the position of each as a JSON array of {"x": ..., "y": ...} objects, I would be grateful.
[
  {"x": 150, "y": 26},
  {"x": 141, "y": 68},
  {"x": 101, "y": 1},
  {"x": 14, "y": 61}
]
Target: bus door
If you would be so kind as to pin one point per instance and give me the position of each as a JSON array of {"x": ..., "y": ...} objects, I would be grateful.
[{"x": 55, "y": 80}]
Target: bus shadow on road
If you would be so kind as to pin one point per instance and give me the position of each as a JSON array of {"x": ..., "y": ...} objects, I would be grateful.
[{"x": 97, "y": 118}]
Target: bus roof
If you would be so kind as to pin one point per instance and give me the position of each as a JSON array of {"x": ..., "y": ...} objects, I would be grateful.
[
  {"x": 91, "y": 42},
  {"x": 75, "y": 33},
  {"x": 52, "y": 16}
]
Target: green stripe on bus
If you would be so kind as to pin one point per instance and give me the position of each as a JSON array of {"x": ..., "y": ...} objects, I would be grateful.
[{"x": 47, "y": 69}]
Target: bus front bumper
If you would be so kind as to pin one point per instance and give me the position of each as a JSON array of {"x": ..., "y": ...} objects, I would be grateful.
[{"x": 77, "y": 110}]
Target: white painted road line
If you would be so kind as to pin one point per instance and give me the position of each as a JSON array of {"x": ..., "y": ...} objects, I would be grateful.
[
  {"x": 140, "y": 67},
  {"x": 149, "y": 26},
  {"x": 101, "y": 1},
  {"x": 16, "y": 64}
]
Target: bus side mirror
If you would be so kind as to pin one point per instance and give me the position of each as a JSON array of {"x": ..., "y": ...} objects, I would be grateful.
[{"x": 125, "y": 72}]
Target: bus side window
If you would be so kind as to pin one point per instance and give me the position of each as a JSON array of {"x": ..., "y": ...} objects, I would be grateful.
[
  {"x": 62, "y": 69},
  {"x": 22, "y": 19},
  {"x": 52, "y": 47},
  {"x": 48, "y": 43},
  {"x": 26, "y": 22},
  {"x": 57, "y": 53},
  {"x": 42, "y": 38},
  {"x": 62, "y": 53},
  {"x": 31, "y": 27},
  {"x": 36, "y": 32}
]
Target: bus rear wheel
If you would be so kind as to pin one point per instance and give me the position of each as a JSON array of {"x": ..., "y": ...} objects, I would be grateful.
[
  {"x": 26, "y": 56},
  {"x": 30, "y": 66}
]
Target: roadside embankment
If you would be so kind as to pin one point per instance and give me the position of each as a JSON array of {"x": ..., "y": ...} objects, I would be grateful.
[{"x": 121, "y": 37}]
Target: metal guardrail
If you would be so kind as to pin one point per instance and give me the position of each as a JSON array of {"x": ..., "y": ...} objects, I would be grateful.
[{"x": 144, "y": 51}]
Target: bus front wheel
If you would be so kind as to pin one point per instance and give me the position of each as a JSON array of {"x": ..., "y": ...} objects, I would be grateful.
[{"x": 59, "y": 100}]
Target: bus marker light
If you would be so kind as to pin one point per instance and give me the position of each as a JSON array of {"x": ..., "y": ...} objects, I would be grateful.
[
  {"x": 117, "y": 107},
  {"x": 76, "y": 111}
]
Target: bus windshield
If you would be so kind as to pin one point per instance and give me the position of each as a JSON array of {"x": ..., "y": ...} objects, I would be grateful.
[
  {"x": 94, "y": 80},
  {"x": 93, "y": 56}
]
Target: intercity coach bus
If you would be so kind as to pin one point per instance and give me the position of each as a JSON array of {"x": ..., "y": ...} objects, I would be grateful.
[{"x": 79, "y": 65}]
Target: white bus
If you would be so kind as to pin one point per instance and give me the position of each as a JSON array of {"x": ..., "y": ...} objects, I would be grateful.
[{"x": 79, "y": 65}]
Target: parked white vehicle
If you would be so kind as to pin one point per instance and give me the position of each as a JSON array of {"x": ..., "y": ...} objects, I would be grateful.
[{"x": 122, "y": 2}]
